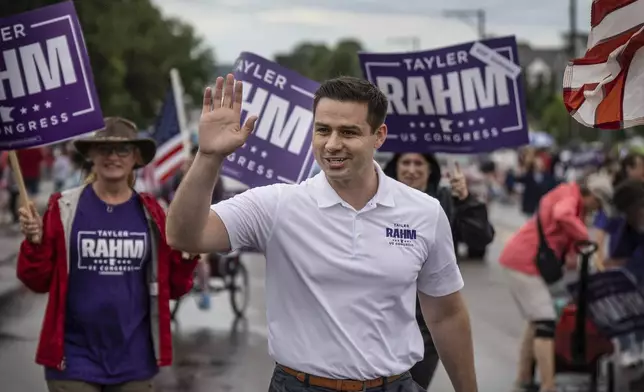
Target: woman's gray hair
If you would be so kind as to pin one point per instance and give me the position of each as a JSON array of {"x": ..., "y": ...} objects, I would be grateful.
[{"x": 599, "y": 185}]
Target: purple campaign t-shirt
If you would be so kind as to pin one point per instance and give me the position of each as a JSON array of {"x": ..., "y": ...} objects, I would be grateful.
[{"x": 108, "y": 338}]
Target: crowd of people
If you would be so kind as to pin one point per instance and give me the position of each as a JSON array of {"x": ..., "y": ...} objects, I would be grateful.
[{"x": 363, "y": 288}]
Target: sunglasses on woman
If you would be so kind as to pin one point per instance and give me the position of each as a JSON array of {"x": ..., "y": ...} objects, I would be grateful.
[{"x": 121, "y": 149}]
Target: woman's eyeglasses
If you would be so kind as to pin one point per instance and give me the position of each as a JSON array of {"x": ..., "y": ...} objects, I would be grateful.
[{"x": 121, "y": 150}]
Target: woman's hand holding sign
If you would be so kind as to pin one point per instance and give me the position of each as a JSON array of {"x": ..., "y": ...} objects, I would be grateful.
[
  {"x": 31, "y": 223},
  {"x": 220, "y": 132}
]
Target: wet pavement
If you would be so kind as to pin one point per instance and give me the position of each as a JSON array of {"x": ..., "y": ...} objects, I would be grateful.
[{"x": 215, "y": 352}]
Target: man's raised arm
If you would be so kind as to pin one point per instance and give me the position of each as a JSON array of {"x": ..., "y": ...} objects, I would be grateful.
[{"x": 191, "y": 225}]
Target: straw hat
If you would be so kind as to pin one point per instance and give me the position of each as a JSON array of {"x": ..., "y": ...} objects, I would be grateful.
[
  {"x": 119, "y": 130},
  {"x": 601, "y": 186}
]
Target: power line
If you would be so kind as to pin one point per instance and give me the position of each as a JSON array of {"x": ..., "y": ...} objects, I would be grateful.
[{"x": 467, "y": 15}]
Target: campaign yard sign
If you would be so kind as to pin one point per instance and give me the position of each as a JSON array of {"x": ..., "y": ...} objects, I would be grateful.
[
  {"x": 615, "y": 303},
  {"x": 47, "y": 89},
  {"x": 466, "y": 98},
  {"x": 279, "y": 150}
]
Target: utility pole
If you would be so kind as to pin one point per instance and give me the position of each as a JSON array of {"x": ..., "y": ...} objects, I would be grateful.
[
  {"x": 414, "y": 40},
  {"x": 467, "y": 15}
]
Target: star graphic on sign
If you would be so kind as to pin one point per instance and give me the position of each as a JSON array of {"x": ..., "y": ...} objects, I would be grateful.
[
  {"x": 422, "y": 124},
  {"x": 23, "y": 110},
  {"x": 460, "y": 124},
  {"x": 481, "y": 120},
  {"x": 432, "y": 125},
  {"x": 264, "y": 154},
  {"x": 48, "y": 105},
  {"x": 36, "y": 108},
  {"x": 412, "y": 124},
  {"x": 471, "y": 122},
  {"x": 253, "y": 149}
]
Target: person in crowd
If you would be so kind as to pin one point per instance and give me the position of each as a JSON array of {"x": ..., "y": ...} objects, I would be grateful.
[
  {"x": 101, "y": 254},
  {"x": 467, "y": 217},
  {"x": 61, "y": 168},
  {"x": 631, "y": 168},
  {"x": 14, "y": 194},
  {"x": 561, "y": 215},
  {"x": 627, "y": 242},
  {"x": 81, "y": 167},
  {"x": 31, "y": 165},
  {"x": 341, "y": 314},
  {"x": 206, "y": 261},
  {"x": 537, "y": 181}
]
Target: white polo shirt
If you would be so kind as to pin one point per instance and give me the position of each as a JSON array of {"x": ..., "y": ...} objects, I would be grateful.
[{"x": 341, "y": 284}]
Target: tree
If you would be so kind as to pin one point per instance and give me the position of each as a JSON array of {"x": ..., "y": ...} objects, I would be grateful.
[
  {"x": 319, "y": 62},
  {"x": 132, "y": 48}
]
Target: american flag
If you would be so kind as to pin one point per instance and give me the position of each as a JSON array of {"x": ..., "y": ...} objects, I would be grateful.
[
  {"x": 605, "y": 88},
  {"x": 170, "y": 148}
]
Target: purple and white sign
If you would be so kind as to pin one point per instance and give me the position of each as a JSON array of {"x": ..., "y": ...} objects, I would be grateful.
[
  {"x": 47, "y": 89},
  {"x": 615, "y": 303},
  {"x": 279, "y": 150},
  {"x": 466, "y": 98}
]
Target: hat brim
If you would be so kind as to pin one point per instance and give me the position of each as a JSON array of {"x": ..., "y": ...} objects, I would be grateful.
[{"x": 146, "y": 146}]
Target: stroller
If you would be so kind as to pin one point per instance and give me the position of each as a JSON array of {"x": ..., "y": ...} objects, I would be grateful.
[{"x": 601, "y": 333}]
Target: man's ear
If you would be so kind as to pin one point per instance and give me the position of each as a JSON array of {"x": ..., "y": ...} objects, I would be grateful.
[{"x": 381, "y": 136}]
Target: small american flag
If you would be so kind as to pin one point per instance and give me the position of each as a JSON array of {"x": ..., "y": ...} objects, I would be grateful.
[
  {"x": 605, "y": 88},
  {"x": 170, "y": 148}
]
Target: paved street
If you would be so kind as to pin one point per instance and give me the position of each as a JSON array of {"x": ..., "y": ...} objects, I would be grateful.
[
  {"x": 214, "y": 354},
  {"x": 10, "y": 242}
]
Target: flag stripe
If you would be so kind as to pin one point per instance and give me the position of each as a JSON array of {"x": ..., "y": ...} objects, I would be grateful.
[
  {"x": 177, "y": 149},
  {"x": 595, "y": 87},
  {"x": 599, "y": 53},
  {"x": 168, "y": 174},
  {"x": 169, "y": 166},
  {"x": 634, "y": 106},
  {"x": 169, "y": 145},
  {"x": 581, "y": 74},
  {"x": 167, "y": 133},
  {"x": 604, "y": 89},
  {"x": 573, "y": 99},
  {"x": 609, "y": 109},
  {"x": 617, "y": 22},
  {"x": 601, "y": 9}
]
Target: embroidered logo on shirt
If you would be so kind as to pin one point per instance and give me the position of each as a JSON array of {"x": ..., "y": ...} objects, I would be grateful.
[
  {"x": 400, "y": 235},
  {"x": 111, "y": 252}
]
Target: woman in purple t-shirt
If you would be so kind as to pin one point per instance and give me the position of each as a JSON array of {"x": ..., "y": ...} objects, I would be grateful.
[{"x": 101, "y": 254}]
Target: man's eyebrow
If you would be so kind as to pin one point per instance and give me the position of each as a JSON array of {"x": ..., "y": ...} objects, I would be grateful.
[
  {"x": 341, "y": 127},
  {"x": 349, "y": 127}
]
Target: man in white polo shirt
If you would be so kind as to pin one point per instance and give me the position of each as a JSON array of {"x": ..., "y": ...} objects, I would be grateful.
[{"x": 346, "y": 250}]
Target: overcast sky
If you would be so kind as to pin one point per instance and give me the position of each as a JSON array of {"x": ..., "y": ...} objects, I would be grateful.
[{"x": 266, "y": 27}]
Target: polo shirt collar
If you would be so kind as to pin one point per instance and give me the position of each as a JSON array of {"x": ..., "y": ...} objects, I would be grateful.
[{"x": 326, "y": 196}]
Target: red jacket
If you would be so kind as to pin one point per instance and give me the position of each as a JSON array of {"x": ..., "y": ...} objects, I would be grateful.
[
  {"x": 44, "y": 269},
  {"x": 561, "y": 212}
]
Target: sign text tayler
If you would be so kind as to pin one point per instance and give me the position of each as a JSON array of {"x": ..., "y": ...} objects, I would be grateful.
[
  {"x": 47, "y": 89},
  {"x": 462, "y": 99},
  {"x": 279, "y": 150}
]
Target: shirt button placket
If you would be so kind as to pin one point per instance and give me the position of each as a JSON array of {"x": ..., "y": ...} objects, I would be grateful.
[{"x": 357, "y": 233}]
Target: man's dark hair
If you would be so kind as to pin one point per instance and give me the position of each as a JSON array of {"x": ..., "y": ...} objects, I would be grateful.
[
  {"x": 352, "y": 89},
  {"x": 628, "y": 162},
  {"x": 629, "y": 196}
]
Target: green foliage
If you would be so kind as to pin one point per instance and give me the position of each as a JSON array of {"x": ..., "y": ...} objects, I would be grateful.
[
  {"x": 319, "y": 62},
  {"x": 132, "y": 48}
]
